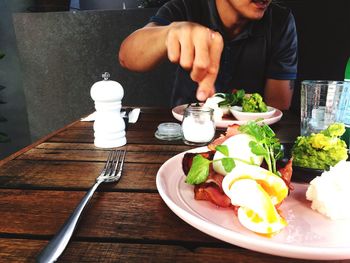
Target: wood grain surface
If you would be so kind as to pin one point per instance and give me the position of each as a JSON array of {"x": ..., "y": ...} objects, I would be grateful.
[{"x": 126, "y": 222}]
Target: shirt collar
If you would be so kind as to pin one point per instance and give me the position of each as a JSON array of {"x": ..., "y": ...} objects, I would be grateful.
[{"x": 253, "y": 28}]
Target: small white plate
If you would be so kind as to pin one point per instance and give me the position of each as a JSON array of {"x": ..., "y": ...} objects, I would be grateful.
[
  {"x": 248, "y": 116},
  {"x": 178, "y": 112}
]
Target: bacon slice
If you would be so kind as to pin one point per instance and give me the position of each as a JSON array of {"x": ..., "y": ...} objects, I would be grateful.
[
  {"x": 232, "y": 130},
  {"x": 215, "y": 178},
  {"x": 287, "y": 172},
  {"x": 211, "y": 189},
  {"x": 209, "y": 192}
]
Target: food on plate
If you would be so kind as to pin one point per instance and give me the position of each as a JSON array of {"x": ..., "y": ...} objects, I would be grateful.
[
  {"x": 221, "y": 103},
  {"x": 330, "y": 193},
  {"x": 240, "y": 171},
  {"x": 238, "y": 113},
  {"x": 254, "y": 103},
  {"x": 244, "y": 155},
  {"x": 320, "y": 150},
  {"x": 256, "y": 192}
]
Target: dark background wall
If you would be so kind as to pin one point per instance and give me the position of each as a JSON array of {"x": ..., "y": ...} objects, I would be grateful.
[
  {"x": 324, "y": 40},
  {"x": 64, "y": 53},
  {"x": 16, "y": 126},
  {"x": 57, "y": 56}
]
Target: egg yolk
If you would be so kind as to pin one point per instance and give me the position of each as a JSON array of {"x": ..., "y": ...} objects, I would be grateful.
[{"x": 256, "y": 191}]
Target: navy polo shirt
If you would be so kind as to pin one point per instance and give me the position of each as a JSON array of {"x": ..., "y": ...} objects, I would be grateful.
[{"x": 265, "y": 49}]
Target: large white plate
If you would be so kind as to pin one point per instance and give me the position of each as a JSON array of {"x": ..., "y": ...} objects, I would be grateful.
[
  {"x": 178, "y": 112},
  {"x": 309, "y": 235}
]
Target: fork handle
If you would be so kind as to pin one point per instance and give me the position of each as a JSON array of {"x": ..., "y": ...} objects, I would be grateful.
[{"x": 59, "y": 242}]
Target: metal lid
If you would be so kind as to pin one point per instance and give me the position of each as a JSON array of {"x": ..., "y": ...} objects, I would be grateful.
[{"x": 169, "y": 131}]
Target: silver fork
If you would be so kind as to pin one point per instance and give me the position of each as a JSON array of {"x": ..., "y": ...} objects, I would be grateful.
[{"x": 110, "y": 173}]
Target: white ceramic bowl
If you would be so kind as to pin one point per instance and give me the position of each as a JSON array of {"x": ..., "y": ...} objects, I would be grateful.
[{"x": 247, "y": 116}]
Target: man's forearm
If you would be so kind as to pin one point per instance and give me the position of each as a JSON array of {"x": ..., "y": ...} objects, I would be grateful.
[
  {"x": 144, "y": 49},
  {"x": 278, "y": 93}
]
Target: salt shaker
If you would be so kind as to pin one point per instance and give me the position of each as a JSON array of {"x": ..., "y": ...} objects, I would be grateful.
[
  {"x": 109, "y": 126},
  {"x": 198, "y": 126}
]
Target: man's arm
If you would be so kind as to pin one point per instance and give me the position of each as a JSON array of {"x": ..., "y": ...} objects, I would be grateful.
[
  {"x": 144, "y": 48},
  {"x": 192, "y": 46},
  {"x": 278, "y": 93}
]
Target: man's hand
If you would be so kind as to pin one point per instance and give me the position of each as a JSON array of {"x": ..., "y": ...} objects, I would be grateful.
[{"x": 198, "y": 50}]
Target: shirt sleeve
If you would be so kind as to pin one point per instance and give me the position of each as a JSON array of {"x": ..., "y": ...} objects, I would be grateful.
[
  {"x": 171, "y": 11},
  {"x": 283, "y": 55}
]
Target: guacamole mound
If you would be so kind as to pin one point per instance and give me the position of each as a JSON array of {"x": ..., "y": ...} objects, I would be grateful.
[
  {"x": 320, "y": 150},
  {"x": 253, "y": 103}
]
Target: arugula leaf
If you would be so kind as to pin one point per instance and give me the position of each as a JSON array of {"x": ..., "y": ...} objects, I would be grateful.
[
  {"x": 257, "y": 148},
  {"x": 266, "y": 144},
  {"x": 231, "y": 99},
  {"x": 223, "y": 149},
  {"x": 199, "y": 170},
  {"x": 228, "y": 164}
]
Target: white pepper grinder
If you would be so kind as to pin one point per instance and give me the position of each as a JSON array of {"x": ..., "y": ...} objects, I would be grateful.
[{"x": 109, "y": 126}]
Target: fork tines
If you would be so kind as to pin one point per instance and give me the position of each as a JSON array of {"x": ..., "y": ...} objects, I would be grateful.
[{"x": 114, "y": 164}]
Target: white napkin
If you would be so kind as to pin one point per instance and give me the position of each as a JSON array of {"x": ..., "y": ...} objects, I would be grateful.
[
  {"x": 90, "y": 117},
  {"x": 132, "y": 116}
]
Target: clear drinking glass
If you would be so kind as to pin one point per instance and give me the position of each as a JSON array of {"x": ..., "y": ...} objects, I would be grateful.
[
  {"x": 319, "y": 104},
  {"x": 198, "y": 126},
  {"x": 343, "y": 112}
]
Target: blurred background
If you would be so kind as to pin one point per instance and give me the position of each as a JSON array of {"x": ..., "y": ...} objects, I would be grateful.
[{"x": 54, "y": 50}]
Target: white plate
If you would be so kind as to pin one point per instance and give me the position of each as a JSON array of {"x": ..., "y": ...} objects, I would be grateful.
[
  {"x": 178, "y": 112},
  {"x": 309, "y": 235},
  {"x": 241, "y": 115}
]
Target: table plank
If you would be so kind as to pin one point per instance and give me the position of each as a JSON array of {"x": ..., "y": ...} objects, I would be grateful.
[
  {"x": 27, "y": 174},
  {"x": 94, "y": 156},
  {"x": 128, "y": 147},
  {"x": 24, "y": 250},
  {"x": 111, "y": 215},
  {"x": 87, "y": 136}
]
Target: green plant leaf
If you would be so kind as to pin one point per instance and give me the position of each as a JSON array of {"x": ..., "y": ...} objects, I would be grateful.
[
  {"x": 257, "y": 149},
  {"x": 268, "y": 131},
  {"x": 2, "y": 55},
  {"x": 199, "y": 170},
  {"x": 266, "y": 144},
  {"x": 223, "y": 149},
  {"x": 228, "y": 164}
]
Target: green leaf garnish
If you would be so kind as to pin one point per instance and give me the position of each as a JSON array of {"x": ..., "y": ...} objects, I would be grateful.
[
  {"x": 199, "y": 170},
  {"x": 266, "y": 144},
  {"x": 231, "y": 99},
  {"x": 223, "y": 149},
  {"x": 228, "y": 164},
  {"x": 257, "y": 148}
]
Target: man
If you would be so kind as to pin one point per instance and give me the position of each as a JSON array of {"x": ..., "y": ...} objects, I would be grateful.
[{"x": 219, "y": 45}]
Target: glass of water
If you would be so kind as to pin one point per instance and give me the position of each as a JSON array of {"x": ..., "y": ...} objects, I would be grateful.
[
  {"x": 319, "y": 104},
  {"x": 343, "y": 113}
]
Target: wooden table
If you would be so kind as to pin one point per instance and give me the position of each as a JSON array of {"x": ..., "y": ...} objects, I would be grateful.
[{"x": 125, "y": 222}]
